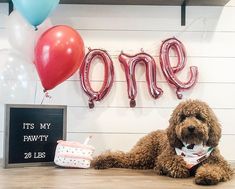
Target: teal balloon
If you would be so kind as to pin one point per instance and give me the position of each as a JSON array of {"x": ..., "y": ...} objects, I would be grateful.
[{"x": 35, "y": 11}]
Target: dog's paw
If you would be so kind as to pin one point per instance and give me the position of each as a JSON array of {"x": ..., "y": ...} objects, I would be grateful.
[
  {"x": 178, "y": 168},
  {"x": 158, "y": 170},
  {"x": 175, "y": 172},
  {"x": 179, "y": 173},
  {"x": 207, "y": 177},
  {"x": 208, "y": 180},
  {"x": 100, "y": 162},
  {"x": 108, "y": 160}
]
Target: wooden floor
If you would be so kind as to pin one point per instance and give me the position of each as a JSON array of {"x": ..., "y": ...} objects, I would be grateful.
[{"x": 53, "y": 177}]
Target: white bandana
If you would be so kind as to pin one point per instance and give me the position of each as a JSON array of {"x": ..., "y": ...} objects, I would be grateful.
[{"x": 194, "y": 154}]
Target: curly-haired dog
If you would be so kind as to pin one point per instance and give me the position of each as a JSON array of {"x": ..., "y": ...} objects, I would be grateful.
[{"x": 192, "y": 123}]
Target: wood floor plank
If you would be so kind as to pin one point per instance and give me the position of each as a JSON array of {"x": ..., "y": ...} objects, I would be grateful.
[{"x": 54, "y": 177}]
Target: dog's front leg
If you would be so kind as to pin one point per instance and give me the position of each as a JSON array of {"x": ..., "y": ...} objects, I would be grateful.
[
  {"x": 172, "y": 165},
  {"x": 214, "y": 170}
]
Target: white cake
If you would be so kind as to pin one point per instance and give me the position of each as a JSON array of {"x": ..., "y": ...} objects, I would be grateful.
[{"x": 73, "y": 154}]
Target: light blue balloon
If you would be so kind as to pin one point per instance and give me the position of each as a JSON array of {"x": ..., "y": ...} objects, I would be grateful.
[{"x": 35, "y": 11}]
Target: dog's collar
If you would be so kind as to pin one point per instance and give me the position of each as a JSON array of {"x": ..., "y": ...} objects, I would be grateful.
[{"x": 194, "y": 154}]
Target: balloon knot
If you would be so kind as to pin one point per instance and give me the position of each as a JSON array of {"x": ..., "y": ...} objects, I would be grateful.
[
  {"x": 91, "y": 104},
  {"x": 132, "y": 103},
  {"x": 47, "y": 95},
  {"x": 179, "y": 95},
  {"x": 158, "y": 93}
]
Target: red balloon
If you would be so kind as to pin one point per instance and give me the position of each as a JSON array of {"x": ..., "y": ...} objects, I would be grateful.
[
  {"x": 170, "y": 72},
  {"x": 108, "y": 75},
  {"x": 129, "y": 63},
  {"x": 58, "y": 54}
]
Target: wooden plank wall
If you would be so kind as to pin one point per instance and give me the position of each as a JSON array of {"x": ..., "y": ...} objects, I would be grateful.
[{"x": 209, "y": 37}]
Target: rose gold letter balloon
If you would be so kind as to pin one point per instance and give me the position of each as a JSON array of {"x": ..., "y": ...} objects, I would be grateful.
[
  {"x": 170, "y": 72},
  {"x": 129, "y": 63},
  {"x": 108, "y": 75}
]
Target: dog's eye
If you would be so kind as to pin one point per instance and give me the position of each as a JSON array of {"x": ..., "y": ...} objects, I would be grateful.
[
  {"x": 200, "y": 118},
  {"x": 182, "y": 117}
]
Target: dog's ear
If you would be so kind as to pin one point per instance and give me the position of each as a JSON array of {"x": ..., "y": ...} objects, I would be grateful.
[
  {"x": 172, "y": 138},
  {"x": 171, "y": 134},
  {"x": 214, "y": 129}
]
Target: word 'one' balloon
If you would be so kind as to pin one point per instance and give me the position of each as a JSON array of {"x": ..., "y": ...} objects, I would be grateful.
[
  {"x": 170, "y": 72},
  {"x": 108, "y": 75},
  {"x": 129, "y": 63},
  {"x": 59, "y": 53},
  {"x": 35, "y": 11}
]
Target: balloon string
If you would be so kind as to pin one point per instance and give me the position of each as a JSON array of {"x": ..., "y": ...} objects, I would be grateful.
[{"x": 46, "y": 95}]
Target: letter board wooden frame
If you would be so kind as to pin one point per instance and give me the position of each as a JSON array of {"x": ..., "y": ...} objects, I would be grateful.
[{"x": 31, "y": 133}]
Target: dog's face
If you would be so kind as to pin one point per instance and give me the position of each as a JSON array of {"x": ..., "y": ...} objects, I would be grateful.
[{"x": 193, "y": 122}]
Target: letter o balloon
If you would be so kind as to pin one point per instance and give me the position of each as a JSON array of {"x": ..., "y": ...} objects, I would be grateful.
[{"x": 108, "y": 75}]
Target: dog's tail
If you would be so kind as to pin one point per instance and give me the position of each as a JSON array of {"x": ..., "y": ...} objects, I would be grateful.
[{"x": 110, "y": 160}]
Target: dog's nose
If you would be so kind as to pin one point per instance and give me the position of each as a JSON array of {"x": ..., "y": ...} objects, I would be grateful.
[{"x": 191, "y": 128}]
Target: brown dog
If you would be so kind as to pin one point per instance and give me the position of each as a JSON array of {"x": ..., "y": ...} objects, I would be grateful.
[{"x": 192, "y": 123}]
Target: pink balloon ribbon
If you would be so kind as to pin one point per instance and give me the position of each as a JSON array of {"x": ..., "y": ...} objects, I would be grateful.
[
  {"x": 108, "y": 75},
  {"x": 170, "y": 72},
  {"x": 129, "y": 63}
]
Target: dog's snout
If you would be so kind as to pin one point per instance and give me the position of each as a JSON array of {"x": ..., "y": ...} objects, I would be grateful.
[{"x": 191, "y": 128}]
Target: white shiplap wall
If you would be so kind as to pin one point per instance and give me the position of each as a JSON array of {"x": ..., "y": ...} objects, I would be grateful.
[{"x": 209, "y": 38}]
